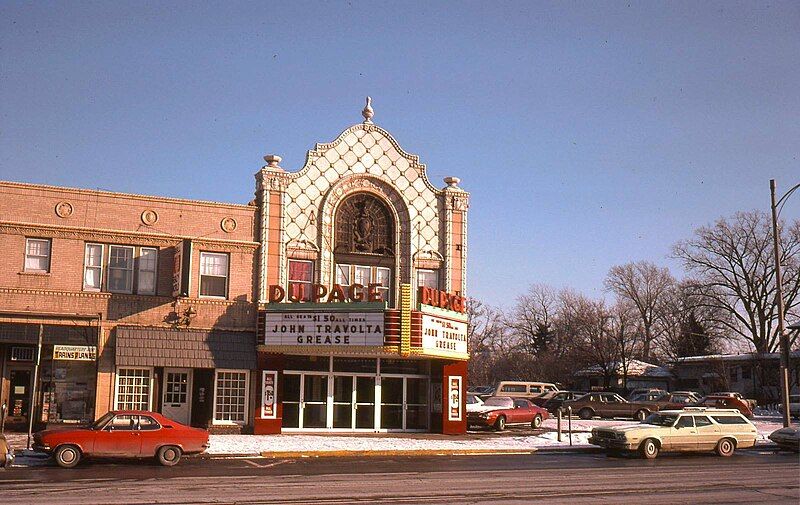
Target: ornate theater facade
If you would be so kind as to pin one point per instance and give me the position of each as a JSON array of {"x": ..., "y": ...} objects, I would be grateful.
[{"x": 361, "y": 323}]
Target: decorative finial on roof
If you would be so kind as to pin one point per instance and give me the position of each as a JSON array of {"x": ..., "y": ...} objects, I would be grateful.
[
  {"x": 273, "y": 161},
  {"x": 452, "y": 182},
  {"x": 368, "y": 112}
]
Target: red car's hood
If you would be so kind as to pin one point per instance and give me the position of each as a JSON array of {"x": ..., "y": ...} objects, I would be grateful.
[{"x": 60, "y": 431}]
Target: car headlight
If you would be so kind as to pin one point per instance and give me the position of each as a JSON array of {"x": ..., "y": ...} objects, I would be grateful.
[
  {"x": 620, "y": 436},
  {"x": 483, "y": 415}
]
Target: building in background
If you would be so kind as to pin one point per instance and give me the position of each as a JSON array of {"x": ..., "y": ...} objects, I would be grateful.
[
  {"x": 362, "y": 324},
  {"x": 141, "y": 302}
]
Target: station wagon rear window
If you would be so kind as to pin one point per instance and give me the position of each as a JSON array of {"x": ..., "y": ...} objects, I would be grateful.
[
  {"x": 730, "y": 419},
  {"x": 514, "y": 388}
]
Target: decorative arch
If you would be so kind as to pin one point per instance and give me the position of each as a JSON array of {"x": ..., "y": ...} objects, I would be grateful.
[
  {"x": 363, "y": 225},
  {"x": 394, "y": 205}
]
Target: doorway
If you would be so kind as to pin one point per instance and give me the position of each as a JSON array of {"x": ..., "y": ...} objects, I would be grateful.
[
  {"x": 176, "y": 399},
  {"x": 19, "y": 397}
]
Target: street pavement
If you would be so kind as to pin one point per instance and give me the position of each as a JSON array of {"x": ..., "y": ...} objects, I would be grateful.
[{"x": 750, "y": 476}]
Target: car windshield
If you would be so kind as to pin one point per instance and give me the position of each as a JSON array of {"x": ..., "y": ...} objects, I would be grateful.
[
  {"x": 661, "y": 419},
  {"x": 102, "y": 421},
  {"x": 499, "y": 401}
]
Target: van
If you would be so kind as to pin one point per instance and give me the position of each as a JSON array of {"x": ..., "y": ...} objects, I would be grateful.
[{"x": 523, "y": 389}]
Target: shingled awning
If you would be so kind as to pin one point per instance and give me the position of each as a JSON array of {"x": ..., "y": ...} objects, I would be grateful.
[{"x": 149, "y": 346}]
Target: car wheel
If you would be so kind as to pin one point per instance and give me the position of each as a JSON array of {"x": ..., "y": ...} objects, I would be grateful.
[
  {"x": 641, "y": 415},
  {"x": 585, "y": 413},
  {"x": 500, "y": 424},
  {"x": 725, "y": 447},
  {"x": 649, "y": 449},
  {"x": 67, "y": 456},
  {"x": 537, "y": 422},
  {"x": 168, "y": 455}
]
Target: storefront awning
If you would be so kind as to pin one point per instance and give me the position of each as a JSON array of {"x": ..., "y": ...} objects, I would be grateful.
[{"x": 187, "y": 348}]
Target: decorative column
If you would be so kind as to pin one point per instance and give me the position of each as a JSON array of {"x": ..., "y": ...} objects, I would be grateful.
[
  {"x": 456, "y": 203},
  {"x": 270, "y": 186}
]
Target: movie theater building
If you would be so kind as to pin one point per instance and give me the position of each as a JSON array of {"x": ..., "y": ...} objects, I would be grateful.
[
  {"x": 362, "y": 323},
  {"x": 136, "y": 302}
]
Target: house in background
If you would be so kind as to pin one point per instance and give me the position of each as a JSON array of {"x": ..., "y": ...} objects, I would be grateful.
[{"x": 639, "y": 375}]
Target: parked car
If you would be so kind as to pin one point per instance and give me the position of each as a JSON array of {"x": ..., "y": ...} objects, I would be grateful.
[
  {"x": 559, "y": 398},
  {"x": 644, "y": 394},
  {"x": 123, "y": 433},
  {"x": 522, "y": 389},
  {"x": 482, "y": 392},
  {"x": 6, "y": 452},
  {"x": 787, "y": 438},
  {"x": 751, "y": 403},
  {"x": 675, "y": 400},
  {"x": 726, "y": 402},
  {"x": 794, "y": 405},
  {"x": 473, "y": 402},
  {"x": 690, "y": 429},
  {"x": 609, "y": 405},
  {"x": 500, "y": 411}
]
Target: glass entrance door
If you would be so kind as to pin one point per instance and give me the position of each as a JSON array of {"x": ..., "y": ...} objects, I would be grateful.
[
  {"x": 314, "y": 403},
  {"x": 365, "y": 402},
  {"x": 291, "y": 400},
  {"x": 404, "y": 403},
  {"x": 343, "y": 405}
]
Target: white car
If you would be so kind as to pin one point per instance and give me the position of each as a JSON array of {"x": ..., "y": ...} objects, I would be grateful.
[
  {"x": 794, "y": 405},
  {"x": 474, "y": 403}
]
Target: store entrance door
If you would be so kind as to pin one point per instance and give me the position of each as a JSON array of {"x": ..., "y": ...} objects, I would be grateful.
[
  {"x": 19, "y": 398},
  {"x": 404, "y": 403},
  {"x": 176, "y": 403}
]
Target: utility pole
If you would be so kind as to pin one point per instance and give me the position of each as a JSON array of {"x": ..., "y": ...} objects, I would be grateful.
[{"x": 784, "y": 337}]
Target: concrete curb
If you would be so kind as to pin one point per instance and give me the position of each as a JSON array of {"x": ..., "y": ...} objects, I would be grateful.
[{"x": 398, "y": 452}]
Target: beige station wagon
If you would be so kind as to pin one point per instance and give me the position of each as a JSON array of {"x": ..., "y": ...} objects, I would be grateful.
[{"x": 690, "y": 429}]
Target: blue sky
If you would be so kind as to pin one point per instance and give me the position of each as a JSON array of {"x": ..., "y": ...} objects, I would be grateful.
[{"x": 589, "y": 134}]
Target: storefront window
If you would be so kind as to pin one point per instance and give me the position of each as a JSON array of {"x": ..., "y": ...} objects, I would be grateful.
[
  {"x": 230, "y": 399},
  {"x": 133, "y": 389}
]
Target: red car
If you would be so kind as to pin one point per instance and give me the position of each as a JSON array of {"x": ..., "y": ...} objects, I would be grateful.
[
  {"x": 499, "y": 411},
  {"x": 124, "y": 433},
  {"x": 725, "y": 402}
]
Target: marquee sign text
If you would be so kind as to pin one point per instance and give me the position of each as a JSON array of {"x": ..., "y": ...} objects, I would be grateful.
[{"x": 324, "y": 328}]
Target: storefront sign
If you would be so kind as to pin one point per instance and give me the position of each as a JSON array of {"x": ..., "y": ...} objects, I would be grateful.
[
  {"x": 444, "y": 337},
  {"x": 441, "y": 299},
  {"x": 75, "y": 352},
  {"x": 454, "y": 398},
  {"x": 269, "y": 381},
  {"x": 181, "y": 268},
  {"x": 323, "y": 328},
  {"x": 318, "y": 293}
]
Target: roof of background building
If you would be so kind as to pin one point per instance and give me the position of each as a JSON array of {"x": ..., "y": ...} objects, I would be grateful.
[{"x": 635, "y": 367}]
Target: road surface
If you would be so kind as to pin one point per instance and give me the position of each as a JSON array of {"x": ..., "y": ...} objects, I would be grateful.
[{"x": 747, "y": 477}]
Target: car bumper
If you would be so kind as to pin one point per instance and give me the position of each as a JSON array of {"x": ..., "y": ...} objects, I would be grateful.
[
  {"x": 608, "y": 443},
  {"x": 477, "y": 421},
  {"x": 40, "y": 447}
]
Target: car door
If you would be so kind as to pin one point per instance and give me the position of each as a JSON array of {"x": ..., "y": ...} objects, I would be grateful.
[
  {"x": 152, "y": 435},
  {"x": 707, "y": 432},
  {"x": 520, "y": 412},
  {"x": 613, "y": 406},
  {"x": 683, "y": 434},
  {"x": 120, "y": 437}
]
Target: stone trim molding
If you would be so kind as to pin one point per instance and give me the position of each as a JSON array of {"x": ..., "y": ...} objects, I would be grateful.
[{"x": 101, "y": 235}]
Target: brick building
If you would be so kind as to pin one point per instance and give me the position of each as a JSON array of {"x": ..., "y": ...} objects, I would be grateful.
[
  {"x": 92, "y": 272},
  {"x": 333, "y": 301}
]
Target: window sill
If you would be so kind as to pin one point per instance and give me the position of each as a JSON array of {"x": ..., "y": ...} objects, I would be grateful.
[
  {"x": 210, "y": 297},
  {"x": 34, "y": 273},
  {"x": 227, "y": 423}
]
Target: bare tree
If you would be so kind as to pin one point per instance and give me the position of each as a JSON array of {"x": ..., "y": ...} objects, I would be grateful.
[
  {"x": 486, "y": 341},
  {"x": 735, "y": 273},
  {"x": 628, "y": 335},
  {"x": 532, "y": 319},
  {"x": 644, "y": 285}
]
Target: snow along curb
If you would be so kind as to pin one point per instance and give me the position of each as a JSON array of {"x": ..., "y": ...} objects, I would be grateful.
[{"x": 393, "y": 452}]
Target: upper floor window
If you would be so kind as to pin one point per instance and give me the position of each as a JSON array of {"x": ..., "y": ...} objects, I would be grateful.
[
  {"x": 213, "y": 274},
  {"x": 301, "y": 276},
  {"x": 37, "y": 255},
  {"x": 120, "y": 269},
  {"x": 428, "y": 278},
  {"x": 366, "y": 275},
  {"x": 126, "y": 269}
]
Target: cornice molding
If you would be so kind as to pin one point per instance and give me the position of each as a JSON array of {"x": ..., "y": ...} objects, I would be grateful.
[{"x": 115, "y": 194}]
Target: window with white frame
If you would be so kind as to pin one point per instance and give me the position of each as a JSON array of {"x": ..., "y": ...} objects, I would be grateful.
[
  {"x": 93, "y": 267},
  {"x": 133, "y": 389},
  {"x": 301, "y": 276},
  {"x": 37, "y": 255},
  {"x": 230, "y": 396},
  {"x": 428, "y": 279},
  {"x": 214, "y": 274},
  {"x": 120, "y": 269},
  {"x": 366, "y": 275},
  {"x": 146, "y": 276}
]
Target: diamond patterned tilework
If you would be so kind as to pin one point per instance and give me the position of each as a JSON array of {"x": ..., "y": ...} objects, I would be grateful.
[{"x": 359, "y": 151}]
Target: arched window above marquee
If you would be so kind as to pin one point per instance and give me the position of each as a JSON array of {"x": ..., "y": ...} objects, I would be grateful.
[{"x": 364, "y": 225}]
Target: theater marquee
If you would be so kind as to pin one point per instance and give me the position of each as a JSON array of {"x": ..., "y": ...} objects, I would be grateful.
[{"x": 324, "y": 328}]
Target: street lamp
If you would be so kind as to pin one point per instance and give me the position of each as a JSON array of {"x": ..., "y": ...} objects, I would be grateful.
[{"x": 783, "y": 334}]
